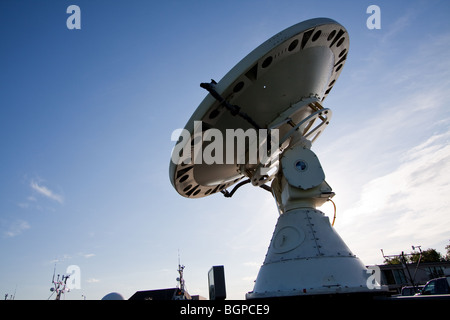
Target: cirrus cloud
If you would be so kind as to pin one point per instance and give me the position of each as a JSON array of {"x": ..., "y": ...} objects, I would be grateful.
[
  {"x": 16, "y": 228},
  {"x": 46, "y": 192}
]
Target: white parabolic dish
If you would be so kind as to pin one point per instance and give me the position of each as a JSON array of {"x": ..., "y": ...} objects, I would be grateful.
[{"x": 299, "y": 63}]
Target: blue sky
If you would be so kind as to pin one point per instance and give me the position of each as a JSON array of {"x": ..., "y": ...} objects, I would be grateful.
[{"x": 86, "y": 118}]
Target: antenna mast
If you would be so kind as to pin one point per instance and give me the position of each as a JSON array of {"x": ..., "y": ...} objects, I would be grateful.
[
  {"x": 180, "y": 271},
  {"x": 180, "y": 292},
  {"x": 59, "y": 286}
]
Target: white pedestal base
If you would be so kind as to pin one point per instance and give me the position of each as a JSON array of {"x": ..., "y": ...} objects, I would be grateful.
[{"x": 306, "y": 256}]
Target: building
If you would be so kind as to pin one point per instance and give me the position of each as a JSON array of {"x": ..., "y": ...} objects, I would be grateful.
[
  {"x": 161, "y": 294},
  {"x": 397, "y": 276}
]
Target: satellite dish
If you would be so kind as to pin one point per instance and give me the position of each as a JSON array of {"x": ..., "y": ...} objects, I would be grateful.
[
  {"x": 113, "y": 296},
  {"x": 278, "y": 88},
  {"x": 277, "y": 85}
]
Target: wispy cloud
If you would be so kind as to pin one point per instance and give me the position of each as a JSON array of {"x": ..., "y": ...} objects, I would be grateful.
[
  {"x": 73, "y": 256},
  {"x": 16, "y": 228},
  {"x": 46, "y": 192},
  {"x": 392, "y": 187},
  {"x": 399, "y": 24},
  {"x": 406, "y": 206},
  {"x": 61, "y": 258},
  {"x": 395, "y": 200}
]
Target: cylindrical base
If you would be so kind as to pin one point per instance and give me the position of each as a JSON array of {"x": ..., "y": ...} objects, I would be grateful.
[{"x": 306, "y": 256}]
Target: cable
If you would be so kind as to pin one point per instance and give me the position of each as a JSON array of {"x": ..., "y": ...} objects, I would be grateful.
[
  {"x": 234, "y": 110},
  {"x": 228, "y": 194},
  {"x": 266, "y": 187},
  {"x": 334, "y": 216}
]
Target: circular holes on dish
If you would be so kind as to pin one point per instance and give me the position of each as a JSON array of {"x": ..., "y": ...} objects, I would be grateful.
[
  {"x": 183, "y": 178},
  {"x": 341, "y": 41},
  {"x": 342, "y": 53},
  {"x": 214, "y": 114},
  {"x": 293, "y": 45},
  {"x": 331, "y": 35},
  {"x": 196, "y": 140},
  {"x": 238, "y": 87},
  {"x": 267, "y": 62},
  {"x": 183, "y": 162},
  {"x": 316, "y": 35}
]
